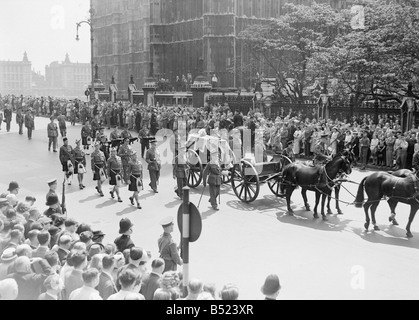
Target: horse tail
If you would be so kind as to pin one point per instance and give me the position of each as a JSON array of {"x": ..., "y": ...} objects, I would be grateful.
[{"x": 359, "y": 200}]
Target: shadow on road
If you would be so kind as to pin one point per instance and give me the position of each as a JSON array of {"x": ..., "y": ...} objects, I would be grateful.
[
  {"x": 91, "y": 198},
  {"x": 391, "y": 235},
  {"x": 208, "y": 213},
  {"x": 127, "y": 211},
  {"x": 106, "y": 204},
  {"x": 147, "y": 195},
  {"x": 173, "y": 204},
  {"x": 306, "y": 219}
]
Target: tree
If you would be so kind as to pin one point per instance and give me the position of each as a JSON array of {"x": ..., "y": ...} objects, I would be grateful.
[
  {"x": 379, "y": 61},
  {"x": 288, "y": 44}
]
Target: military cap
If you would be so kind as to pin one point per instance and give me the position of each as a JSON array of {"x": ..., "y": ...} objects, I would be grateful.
[
  {"x": 168, "y": 221},
  {"x": 52, "y": 181}
]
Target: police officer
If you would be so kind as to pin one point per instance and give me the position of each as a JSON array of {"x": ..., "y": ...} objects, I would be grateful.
[
  {"x": 98, "y": 162},
  {"x": 79, "y": 159},
  {"x": 180, "y": 170},
  {"x": 154, "y": 165},
  {"x": 213, "y": 172},
  {"x": 167, "y": 247},
  {"x": 53, "y": 185},
  {"x": 114, "y": 170},
  {"x": 66, "y": 158}
]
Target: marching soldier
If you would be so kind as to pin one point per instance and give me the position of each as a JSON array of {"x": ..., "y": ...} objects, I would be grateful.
[
  {"x": 114, "y": 170},
  {"x": 29, "y": 123},
  {"x": 124, "y": 153},
  {"x": 144, "y": 140},
  {"x": 135, "y": 171},
  {"x": 320, "y": 150},
  {"x": 213, "y": 172},
  {"x": 154, "y": 165},
  {"x": 66, "y": 155},
  {"x": 98, "y": 165},
  {"x": 52, "y": 129},
  {"x": 79, "y": 163},
  {"x": 167, "y": 247},
  {"x": 62, "y": 125},
  {"x": 86, "y": 133},
  {"x": 180, "y": 170}
]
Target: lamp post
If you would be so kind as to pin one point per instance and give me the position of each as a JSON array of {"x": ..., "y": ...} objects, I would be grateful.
[{"x": 90, "y": 23}]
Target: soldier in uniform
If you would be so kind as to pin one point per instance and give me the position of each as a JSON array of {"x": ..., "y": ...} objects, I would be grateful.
[
  {"x": 320, "y": 150},
  {"x": 179, "y": 170},
  {"x": 114, "y": 170},
  {"x": 135, "y": 171},
  {"x": 53, "y": 185},
  {"x": 20, "y": 119},
  {"x": 98, "y": 162},
  {"x": 124, "y": 152},
  {"x": 63, "y": 126},
  {"x": 144, "y": 140},
  {"x": 86, "y": 131},
  {"x": 29, "y": 123},
  {"x": 79, "y": 159},
  {"x": 167, "y": 247},
  {"x": 52, "y": 129},
  {"x": 289, "y": 152},
  {"x": 66, "y": 155},
  {"x": 154, "y": 165},
  {"x": 213, "y": 172}
]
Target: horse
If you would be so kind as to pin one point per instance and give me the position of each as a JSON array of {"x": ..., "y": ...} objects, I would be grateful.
[
  {"x": 319, "y": 179},
  {"x": 404, "y": 189}
]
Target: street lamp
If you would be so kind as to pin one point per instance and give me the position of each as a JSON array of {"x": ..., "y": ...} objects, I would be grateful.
[{"x": 90, "y": 23}]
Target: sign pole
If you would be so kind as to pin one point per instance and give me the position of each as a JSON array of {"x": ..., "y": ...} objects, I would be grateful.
[{"x": 185, "y": 236}]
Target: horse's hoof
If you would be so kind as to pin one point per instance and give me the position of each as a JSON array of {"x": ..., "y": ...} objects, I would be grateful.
[
  {"x": 308, "y": 209},
  {"x": 376, "y": 228},
  {"x": 395, "y": 223},
  {"x": 409, "y": 235},
  {"x": 325, "y": 219},
  {"x": 330, "y": 213},
  {"x": 290, "y": 212},
  {"x": 315, "y": 216},
  {"x": 366, "y": 226},
  {"x": 340, "y": 212}
]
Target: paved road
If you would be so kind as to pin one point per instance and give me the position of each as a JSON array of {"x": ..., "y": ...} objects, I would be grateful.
[{"x": 241, "y": 243}]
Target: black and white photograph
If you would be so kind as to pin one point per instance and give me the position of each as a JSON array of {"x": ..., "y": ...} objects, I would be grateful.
[{"x": 209, "y": 150}]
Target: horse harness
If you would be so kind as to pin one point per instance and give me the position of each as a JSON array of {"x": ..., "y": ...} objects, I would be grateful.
[{"x": 416, "y": 185}]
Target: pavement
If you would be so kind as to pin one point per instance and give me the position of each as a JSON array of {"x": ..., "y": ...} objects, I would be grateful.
[{"x": 242, "y": 243}]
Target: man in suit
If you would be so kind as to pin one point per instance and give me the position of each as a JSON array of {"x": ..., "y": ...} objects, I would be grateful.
[
  {"x": 20, "y": 119},
  {"x": 107, "y": 285},
  {"x": 151, "y": 281},
  {"x": 154, "y": 165},
  {"x": 44, "y": 239}
]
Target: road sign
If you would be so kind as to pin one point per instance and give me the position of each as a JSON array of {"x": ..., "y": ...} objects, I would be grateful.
[{"x": 195, "y": 221}]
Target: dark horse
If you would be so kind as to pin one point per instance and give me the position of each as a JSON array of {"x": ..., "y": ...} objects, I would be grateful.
[
  {"x": 319, "y": 179},
  {"x": 404, "y": 189}
]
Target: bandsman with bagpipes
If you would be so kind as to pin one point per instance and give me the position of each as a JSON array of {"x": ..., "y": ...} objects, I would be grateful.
[
  {"x": 66, "y": 159},
  {"x": 98, "y": 162},
  {"x": 114, "y": 167},
  {"x": 135, "y": 170},
  {"x": 79, "y": 163}
]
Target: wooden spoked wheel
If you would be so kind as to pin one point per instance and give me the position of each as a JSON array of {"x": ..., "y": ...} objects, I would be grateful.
[
  {"x": 275, "y": 183},
  {"x": 245, "y": 182},
  {"x": 228, "y": 167},
  {"x": 195, "y": 169}
]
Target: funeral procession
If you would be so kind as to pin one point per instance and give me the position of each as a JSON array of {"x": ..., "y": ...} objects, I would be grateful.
[{"x": 209, "y": 150}]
